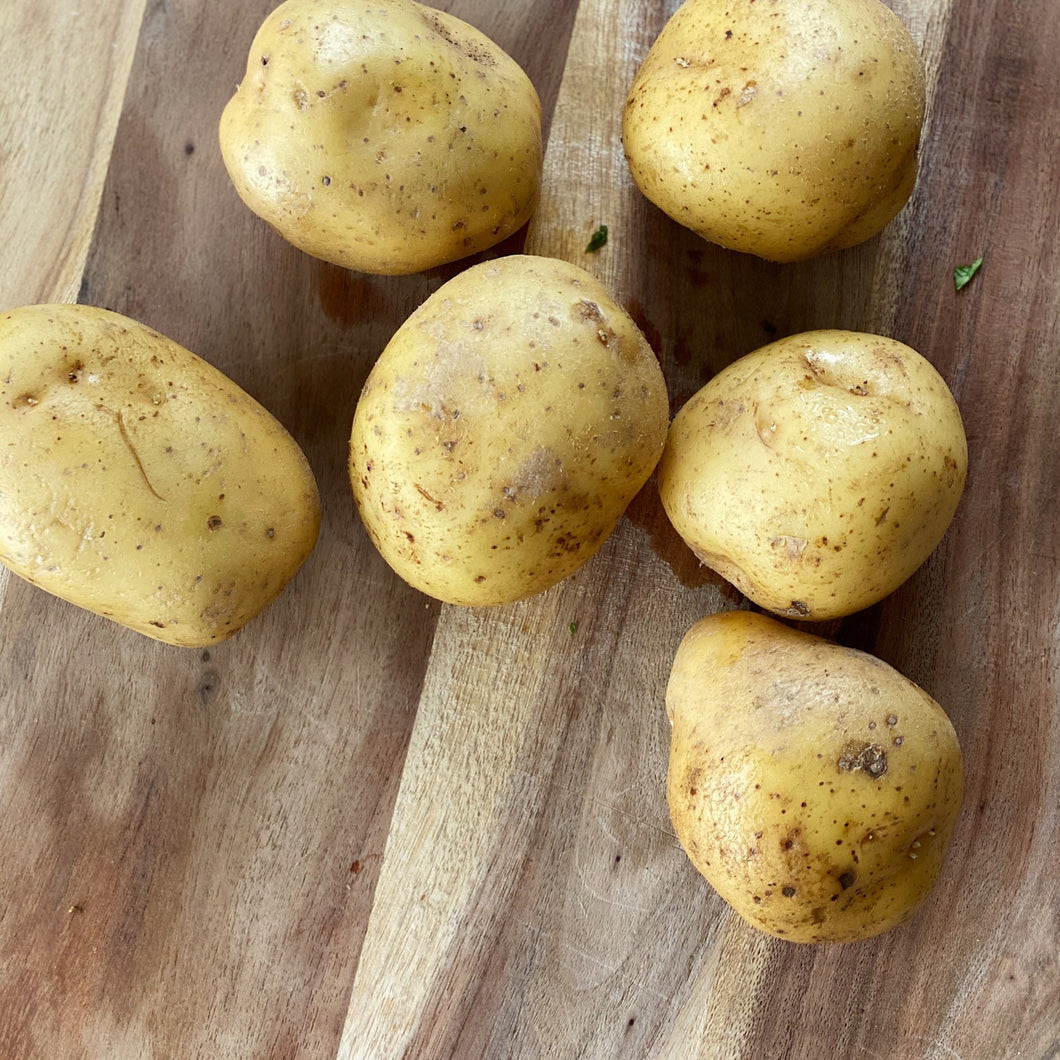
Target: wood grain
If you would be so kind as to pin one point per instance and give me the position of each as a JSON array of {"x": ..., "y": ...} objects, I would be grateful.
[
  {"x": 373, "y": 827},
  {"x": 57, "y": 131}
]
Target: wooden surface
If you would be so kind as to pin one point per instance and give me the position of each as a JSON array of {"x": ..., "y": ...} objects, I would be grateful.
[{"x": 370, "y": 826}]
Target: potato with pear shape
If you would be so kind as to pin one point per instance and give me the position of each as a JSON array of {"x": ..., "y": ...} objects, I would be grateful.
[
  {"x": 784, "y": 130},
  {"x": 383, "y": 135},
  {"x": 815, "y": 787},
  {"x": 818, "y": 472}
]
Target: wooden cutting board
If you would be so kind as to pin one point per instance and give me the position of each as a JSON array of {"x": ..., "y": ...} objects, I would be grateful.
[{"x": 370, "y": 826}]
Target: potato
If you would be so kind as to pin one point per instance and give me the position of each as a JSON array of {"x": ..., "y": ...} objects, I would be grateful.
[
  {"x": 813, "y": 785},
  {"x": 817, "y": 473},
  {"x": 139, "y": 482},
  {"x": 783, "y": 130},
  {"x": 504, "y": 430},
  {"x": 382, "y": 135}
]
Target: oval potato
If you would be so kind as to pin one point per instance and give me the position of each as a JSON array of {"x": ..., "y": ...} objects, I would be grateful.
[
  {"x": 504, "y": 430},
  {"x": 817, "y": 473},
  {"x": 139, "y": 482},
  {"x": 815, "y": 787},
  {"x": 383, "y": 135},
  {"x": 784, "y": 130}
]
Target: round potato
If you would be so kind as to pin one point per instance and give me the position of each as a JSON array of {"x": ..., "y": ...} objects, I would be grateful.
[
  {"x": 504, "y": 430},
  {"x": 784, "y": 130},
  {"x": 141, "y": 483},
  {"x": 383, "y": 135},
  {"x": 814, "y": 786},
  {"x": 817, "y": 473}
]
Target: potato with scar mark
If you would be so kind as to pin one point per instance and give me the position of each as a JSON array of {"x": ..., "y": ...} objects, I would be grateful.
[
  {"x": 141, "y": 483},
  {"x": 817, "y": 473},
  {"x": 814, "y": 786},
  {"x": 504, "y": 430}
]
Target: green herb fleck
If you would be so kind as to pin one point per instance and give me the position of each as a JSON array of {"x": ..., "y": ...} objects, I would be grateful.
[
  {"x": 599, "y": 238},
  {"x": 962, "y": 275},
  {"x": 573, "y": 627}
]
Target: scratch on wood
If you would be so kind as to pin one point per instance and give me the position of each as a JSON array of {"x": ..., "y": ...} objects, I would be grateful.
[
  {"x": 135, "y": 455},
  {"x": 612, "y": 968},
  {"x": 931, "y": 1047},
  {"x": 636, "y": 819},
  {"x": 586, "y": 955}
]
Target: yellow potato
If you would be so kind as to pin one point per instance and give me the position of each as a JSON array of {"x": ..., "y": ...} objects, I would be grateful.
[
  {"x": 814, "y": 786},
  {"x": 139, "y": 482},
  {"x": 504, "y": 430},
  {"x": 784, "y": 130},
  {"x": 817, "y": 473},
  {"x": 383, "y": 135}
]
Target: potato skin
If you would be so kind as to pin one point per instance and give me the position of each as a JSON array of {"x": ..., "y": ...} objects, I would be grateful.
[
  {"x": 784, "y": 130},
  {"x": 814, "y": 786},
  {"x": 139, "y": 482},
  {"x": 383, "y": 135},
  {"x": 504, "y": 430},
  {"x": 817, "y": 473}
]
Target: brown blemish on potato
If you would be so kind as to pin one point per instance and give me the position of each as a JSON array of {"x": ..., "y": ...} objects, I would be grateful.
[
  {"x": 472, "y": 51},
  {"x": 589, "y": 310},
  {"x": 869, "y": 758},
  {"x": 591, "y": 313},
  {"x": 135, "y": 455},
  {"x": 750, "y": 90},
  {"x": 439, "y": 505},
  {"x": 792, "y": 547}
]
